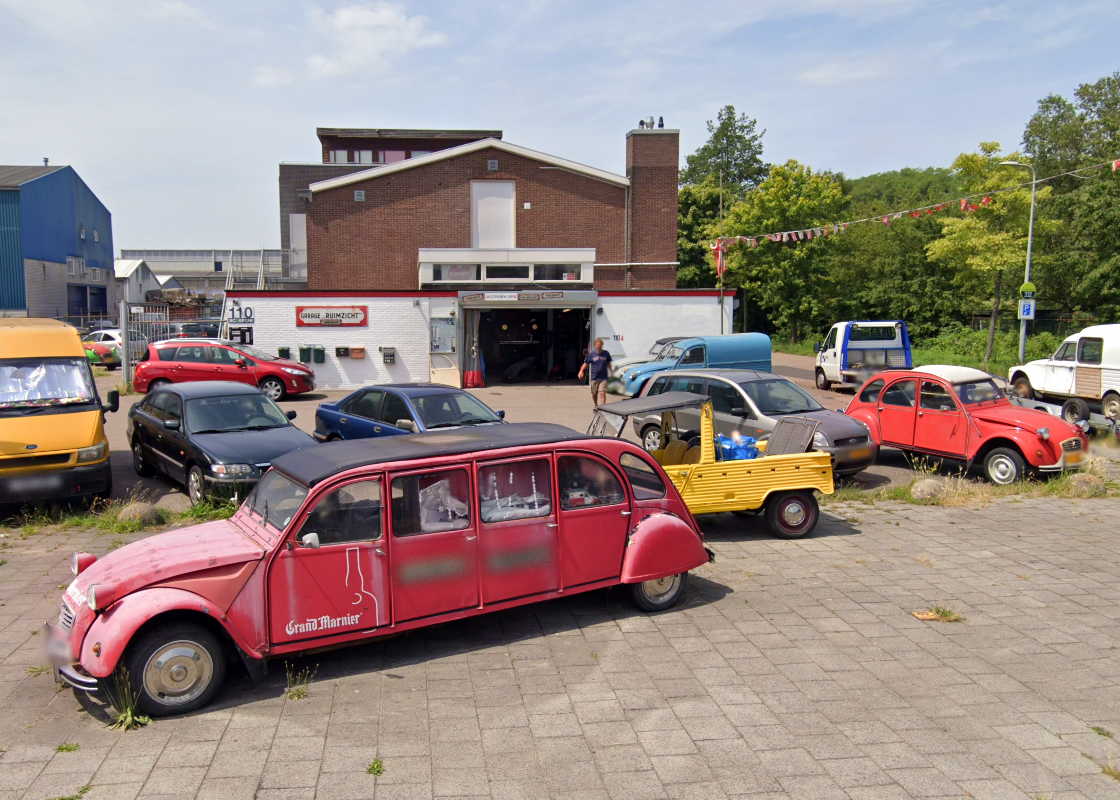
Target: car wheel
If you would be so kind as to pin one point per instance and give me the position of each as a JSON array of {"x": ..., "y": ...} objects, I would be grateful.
[
  {"x": 273, "y": 389},
  {"x": 651, "y": 438},
  {"x": 1110, "y": 406},
  {"x": 659, "y": 594},
  {"x": 158, "y": 382},
  {"x": 176, "y": 668},
  {"x": 823, "y": 383},
  {"x": 139, "y": 462},
  {"x": 196, "y": 485},
  {"x": 792, "y": 515},
  {"x": 1075, "y": 410},
  {"x": 1023, "y": 388},
  {"x": 1004, "y": 465}
]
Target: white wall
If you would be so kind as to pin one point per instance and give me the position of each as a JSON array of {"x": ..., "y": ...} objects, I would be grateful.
[{"x": 641, "y": 320}]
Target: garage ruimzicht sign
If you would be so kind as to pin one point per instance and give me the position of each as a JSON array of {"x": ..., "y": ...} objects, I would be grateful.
[{"x": 332, "y": 316}]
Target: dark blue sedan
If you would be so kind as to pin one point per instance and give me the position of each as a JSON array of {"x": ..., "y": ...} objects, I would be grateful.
[{"x": 396, "y": 408}]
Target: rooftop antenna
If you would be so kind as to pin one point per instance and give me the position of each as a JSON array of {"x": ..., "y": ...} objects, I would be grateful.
[{"x": 46, "y": 162}]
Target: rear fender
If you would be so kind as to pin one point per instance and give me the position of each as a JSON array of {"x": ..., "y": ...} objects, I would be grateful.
[
  {"x": 114, "y": 628},
  {"x": 659, "y": 545}
]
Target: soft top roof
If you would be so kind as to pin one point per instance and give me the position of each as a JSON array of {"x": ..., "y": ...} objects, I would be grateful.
[
  {"x": 313, "y": 464},
  {"x": 666, "y": 401}
]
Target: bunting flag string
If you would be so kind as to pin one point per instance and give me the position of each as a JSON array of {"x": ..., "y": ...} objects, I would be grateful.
[{"x": 968, "y": 205}]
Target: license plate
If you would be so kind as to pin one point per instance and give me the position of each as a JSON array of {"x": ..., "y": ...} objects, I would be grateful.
[
  {"x": 35, "y": 483},
  {"x": 1072, "y": 459},
  {"x": 860, "y": 452}
]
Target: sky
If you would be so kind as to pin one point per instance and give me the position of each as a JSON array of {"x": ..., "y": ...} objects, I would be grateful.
[{"x": 177, "y": 112}]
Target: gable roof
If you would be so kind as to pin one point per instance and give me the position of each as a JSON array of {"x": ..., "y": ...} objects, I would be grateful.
[
  {"x": 464, "y": 149},
  {"x": 124, "y": 267},
  {"x": 12, "y": 176}
]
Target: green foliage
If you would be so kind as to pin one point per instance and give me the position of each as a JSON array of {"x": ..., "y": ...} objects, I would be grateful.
[
  {"x": 118, "y": 691},
  {"x": 965, "y": 347},
  {"x": 734, "y": 147},
  {"x": 1063, "y": 135},
  {"x": 697, "y": 224},
  {"x": 376, "y": 767}
]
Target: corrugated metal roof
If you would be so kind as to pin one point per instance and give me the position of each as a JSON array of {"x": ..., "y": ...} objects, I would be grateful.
[
  {"x": 12, "y": 176},
  {"x": 123, "y": 267}
]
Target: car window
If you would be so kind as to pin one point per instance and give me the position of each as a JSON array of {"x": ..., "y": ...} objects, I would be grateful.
[
  {"x": 166, "y": 353},
  {"x": 900, "y": 394},
  {"x": 644, "y": 480},
  {"x": 776, "y": 396},
  {"x": 830, "y": 342},
  {"x": 658, "y": 386},
  {"x": 515, "y": 490},
  {"x": 453, "y": 408},
  {"x": 238, "y": 412},
  {"x": 936, "y": 397},
  {"x": 724, "y": 397},
  {"x": 394, "y": 409},
  {"x": 350, "y": 513},
  {"x": 366, "y": 404},
  {"x": 222, "y": 355},
  {"x": 695, "y": 355},
  {"x": 870, "y": 394},
  {"x": 147, "y": 405},
  {"x": 587, "y": 482},
  {"x": 683, "y": 383},
  {"x": 192, "y": 353},
  {"x": 1067, "y": 352},
  {"x": 431, "y": 502},
  {"x": 159, "y": 405},
  {"x": 276, "y": 499},
  {"x": 1090, "y": 350},
  {"x": 173, "y": 408},
  {"x": 978, "y": 392}
]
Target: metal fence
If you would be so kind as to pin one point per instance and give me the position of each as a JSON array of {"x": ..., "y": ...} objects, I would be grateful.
[{"x": 147, "y": 322}]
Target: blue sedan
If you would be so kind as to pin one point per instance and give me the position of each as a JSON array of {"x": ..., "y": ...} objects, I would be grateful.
[{"x": 393, "y": 409}]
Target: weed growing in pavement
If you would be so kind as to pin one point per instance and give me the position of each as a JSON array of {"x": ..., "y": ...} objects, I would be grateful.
[
  {"x": 375, "y": 767},
  {"x": 116, "y": 543},
  {"x": 3, "y": 561},
  {"x": 1101, "y": 731},
  {"x": 78, "y": 795},
  {"x": 938, "y": 614},
  {"x": 68, "y": 747},
  {"x": 299, "y": 681},
  {"x": 924, "y": 560},
  {"x": 1111, "y": 770},
  {"x": 118, "y": 691},
  {"x": 209, "y": 510},
  {"x": 38, "y": 669},
  {"x": 125, "y": 389}
]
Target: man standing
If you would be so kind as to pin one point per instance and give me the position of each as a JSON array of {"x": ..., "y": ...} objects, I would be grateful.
[{"x": 600, "y": 361}]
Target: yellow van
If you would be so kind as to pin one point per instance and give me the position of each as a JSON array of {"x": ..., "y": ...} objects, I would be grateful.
[{"x": 52, "y": 431}]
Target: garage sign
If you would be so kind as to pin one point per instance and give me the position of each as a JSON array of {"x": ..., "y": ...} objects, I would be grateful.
[{"x": 332, "y": 316}]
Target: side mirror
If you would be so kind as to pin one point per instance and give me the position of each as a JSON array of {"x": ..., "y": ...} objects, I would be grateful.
[
  {"x": 501, "y": 415},
  {"x": 172, "y": 424},
  {"x": 310, "y": 540},
  {"x": 406, "y": 425},
  {"x": 291, "y": 414},
  {"x": 739, "y": 411},
  {"x": 240, "y": 362},
  {"x": 818, "y": 347},
  {"x": 114, "y": 398}
]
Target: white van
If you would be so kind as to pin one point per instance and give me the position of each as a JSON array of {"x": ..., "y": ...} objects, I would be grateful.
[
  {"x": 1084, "y": 372},
  {"x": 854, "y": 351}
]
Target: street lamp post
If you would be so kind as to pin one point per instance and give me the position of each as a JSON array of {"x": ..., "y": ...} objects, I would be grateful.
[{"x": 1030, "y": 240}]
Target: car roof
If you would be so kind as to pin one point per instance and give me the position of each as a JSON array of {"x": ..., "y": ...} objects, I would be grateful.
[
  {"x": 734, "y": 375},
  {"x": 647, "y": 404},
  {"x": 952, "y": 374},
  {"x": 312, "y": 465},
  {"x": 195, "y": 389},
  {"x": 418, "y": 389},
  {"x": 193, "y": 340}
]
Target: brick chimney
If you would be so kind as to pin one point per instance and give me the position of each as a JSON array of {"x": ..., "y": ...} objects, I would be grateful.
[{"x": 652, "y": 159}]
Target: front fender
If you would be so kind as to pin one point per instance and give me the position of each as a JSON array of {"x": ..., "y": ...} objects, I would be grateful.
[
  {"x": 114, "y": 628},
  {"x": 661, "y": 544},
  {"x": 871, "y": 420}
]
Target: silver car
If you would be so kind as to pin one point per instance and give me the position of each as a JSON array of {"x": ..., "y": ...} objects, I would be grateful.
[{"x": 752, "y": 403}]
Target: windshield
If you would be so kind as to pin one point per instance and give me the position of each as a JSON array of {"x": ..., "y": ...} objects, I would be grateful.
[
  {"x": 30, "y": 383},
  {"x": 778, "y": 396},
  {"x": 670, "y": 353},
  {"x": 239, "y": 412},
  {"x": 978, "y": 392},
  {"x": 276, "y": 499},
  {"x": 253, "y": 352},
  {"x": 449, "y": 410}
]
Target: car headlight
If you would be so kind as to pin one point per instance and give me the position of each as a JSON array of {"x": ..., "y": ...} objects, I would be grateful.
[
  {"x": 231, "y": 469},
  {"x": 630, "y": 376},
  {"x": 819, "y": 440},
  {"x": 294, "y": 371},
  {"x": 1043, "y": 433},
  {"x": 91, "y": 597},
  {"x": 95, "y": 453}
]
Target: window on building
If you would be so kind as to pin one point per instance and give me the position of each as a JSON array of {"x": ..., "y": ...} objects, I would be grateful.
[
  {"x": 340, "y": 156},
  {"x": 359, "y": 195},
  {"x": 455, "y": 272},
  {"x": 218, "y": 266},
  {"x": 82, "y": 232},
  {"x": 95, "y": 235},
  {"x": 418, "y": 153},
  {"x": 392, "y": 156},
  {"x": 365, "y": 156},
  {"x": 504, "y": 273},
  {"x": 556, "y": 272}
]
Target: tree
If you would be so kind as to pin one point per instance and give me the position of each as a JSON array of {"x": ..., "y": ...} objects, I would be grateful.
[
  {"x": 787, "y": 281},
  {"x": 734, "y": 147},
  {"x": 697, "y": 224},
  {"x": 1063, "y": 135}
]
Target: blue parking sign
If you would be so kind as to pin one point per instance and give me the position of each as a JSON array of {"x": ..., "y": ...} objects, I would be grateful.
[{"x": 1026, "y": 309}]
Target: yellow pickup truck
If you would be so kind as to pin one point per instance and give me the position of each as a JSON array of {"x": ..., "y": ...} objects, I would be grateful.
[{"x": 781, "y": 481}]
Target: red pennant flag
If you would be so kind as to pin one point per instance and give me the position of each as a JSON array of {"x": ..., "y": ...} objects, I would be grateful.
[
  {"x": 915, "y": 214},
  {"x": 964, "y": 203},
  {"x": 720, "y": 250},
  {"x": 1116, "y": 165},
  {"x": 930, "y": 210},
  {"x": 809, "y": 234},
  {"x": 886, "y": 220},
  {"x": 987, "y": 200},
  {"x": 973, "y": 208}
]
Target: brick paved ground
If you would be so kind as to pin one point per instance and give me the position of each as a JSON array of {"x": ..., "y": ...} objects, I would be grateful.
[{"x": 794, "y": 669}]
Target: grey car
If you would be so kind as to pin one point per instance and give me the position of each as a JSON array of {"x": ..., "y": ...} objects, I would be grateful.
[{"x": 752, "y": 403}]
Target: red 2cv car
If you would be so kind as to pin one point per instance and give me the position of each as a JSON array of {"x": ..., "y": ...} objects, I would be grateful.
[
  {"x": 353, "y": 540},
  {"x": 960, "y": 413}
]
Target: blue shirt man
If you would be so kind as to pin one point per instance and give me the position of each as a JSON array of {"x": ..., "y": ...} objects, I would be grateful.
[{"x": 600, "y": 362}]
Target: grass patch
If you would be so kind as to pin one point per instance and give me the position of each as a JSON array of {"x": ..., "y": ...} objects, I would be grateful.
[
  {"x": 209, "y": 510},
  {"x": 3, "y": 561},
  {"x": 1111, "y": 770},
  {"x": 299, "y": 681},
  {"x": 38, "y": 669},
  {"x": 78, "y": 795},
  {"x": 118, "y": 691},
  {"x": 375, "y": 767},
  {"x": 68, "y": 747},
  {"x": 804, "y": 348},
  {"x": 1101, "y": 731},
  {"x": 938, "y": 614},
  {"x": 125, "y": 389},
  {"x": 924, "y": 560}
]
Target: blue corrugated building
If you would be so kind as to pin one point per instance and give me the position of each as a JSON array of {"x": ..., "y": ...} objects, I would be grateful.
[{"x": 56, "y": 246}]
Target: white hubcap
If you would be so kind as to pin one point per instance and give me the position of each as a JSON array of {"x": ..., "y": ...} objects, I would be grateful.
[
  {"x": 661, "y": 588},
  {"x": 271, "y": 390},
  {"x": 653, "y": 440},
  {"x": 1002, "y": 470},
  {"x": 793, "y": 513},
  {"x": 195, "y": 487},
  {"x": 178, "y": 672}
]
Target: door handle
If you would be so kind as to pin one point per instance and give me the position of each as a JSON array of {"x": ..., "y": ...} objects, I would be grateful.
[
  {"x": 342, "y": 421},
  {"x": 471, "y": 538},
  {"x": 880, "y": 408},
  {"x": 625, "y": 513},
  {"x": 377, "y": 429},
  {"x": 379, "y": 551},
  {"x": 554, "y": 525},
  {"x": 920, "y": 414}
]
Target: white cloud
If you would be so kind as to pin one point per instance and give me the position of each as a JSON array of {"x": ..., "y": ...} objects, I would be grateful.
[
  {"x": 174, "y": 9},
  {"x": 367, "y": 38},
  {"x": 272, "y": 77},
  {"x": 843, "y": 71}
]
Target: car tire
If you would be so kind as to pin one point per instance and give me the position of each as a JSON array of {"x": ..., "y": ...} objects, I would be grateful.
[
  {"x": 1004, "y": 465},
  {"x": 1110, "y": 406},
  {"x": 1023, "y": 388},
  {"x": 273, "y": 389},
  {"x": 158, "y": 382},
  {"x": 823, "y": 383},
  {"x": 176, "y": 668},
  {"x": 792, "y": 515},
  {"x": 1075, "y": 410},
  {"x": 660, "y": 594},
  {"x": 196, "y": 484},
  {"x": 140, "y": 461},
  {"x": 651, "y": 438}
]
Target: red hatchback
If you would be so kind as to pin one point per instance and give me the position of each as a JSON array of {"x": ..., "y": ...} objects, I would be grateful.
[
  {"x": 960, "y": 413},
  {"x": 184, "y": 360}
]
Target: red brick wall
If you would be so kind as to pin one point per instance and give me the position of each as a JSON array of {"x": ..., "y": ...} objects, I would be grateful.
[
  {"x": 652, "y": 158},
  {"x": 373, "y": 244}
]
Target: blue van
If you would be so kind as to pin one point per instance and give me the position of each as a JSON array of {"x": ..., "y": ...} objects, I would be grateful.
[{"x": 730, "y": 351}]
